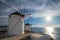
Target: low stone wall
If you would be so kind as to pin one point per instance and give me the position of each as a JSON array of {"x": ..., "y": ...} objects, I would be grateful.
[{"x": 17, "y": 37}]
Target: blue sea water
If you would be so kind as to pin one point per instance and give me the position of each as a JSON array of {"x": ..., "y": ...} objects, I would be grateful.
[{"x": 55, "y": 32}]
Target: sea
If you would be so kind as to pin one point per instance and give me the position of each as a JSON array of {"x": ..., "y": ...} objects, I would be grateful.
[{"x": 54, "y": 32}]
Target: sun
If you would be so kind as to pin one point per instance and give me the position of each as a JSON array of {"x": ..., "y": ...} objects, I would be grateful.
[{"x": 48, "y": 18}]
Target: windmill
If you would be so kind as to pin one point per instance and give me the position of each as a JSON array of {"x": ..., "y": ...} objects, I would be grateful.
[{"x": 16, "y": 20}]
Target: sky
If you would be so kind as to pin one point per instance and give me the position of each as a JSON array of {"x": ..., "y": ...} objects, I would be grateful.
[{"x": 39, "y": 10}]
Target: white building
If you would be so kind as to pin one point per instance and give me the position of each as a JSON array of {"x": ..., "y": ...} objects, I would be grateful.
[
  {"x": 27, "y": 27},
  {"x": 16, "y": 24}
]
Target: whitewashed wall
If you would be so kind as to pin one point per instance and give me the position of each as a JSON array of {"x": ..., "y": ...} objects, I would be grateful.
[{"x": 15, "y": 25}]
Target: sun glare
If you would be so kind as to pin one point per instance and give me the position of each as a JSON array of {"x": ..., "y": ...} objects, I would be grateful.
[{"x": 48, "y": 18}]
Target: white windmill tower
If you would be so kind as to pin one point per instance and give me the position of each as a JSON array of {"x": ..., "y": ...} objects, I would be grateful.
[
  {"x": 27, "y": 27},
  {"x": 16, "y": 24}
]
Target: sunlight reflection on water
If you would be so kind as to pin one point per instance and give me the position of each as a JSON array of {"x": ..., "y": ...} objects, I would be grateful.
[{"x": 50, "y": 31}]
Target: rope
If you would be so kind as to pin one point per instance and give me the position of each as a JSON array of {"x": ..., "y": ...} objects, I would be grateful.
[
  {"x": 8, "y": 6},
  {"x": 15, "y": 4}
]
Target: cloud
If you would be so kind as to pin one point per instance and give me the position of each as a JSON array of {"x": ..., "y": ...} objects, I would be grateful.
[
  {"x": 3, "y": 17},
  {"x": 44, "y": 25},
  {"x": 45, "y": 12},
  {"x": 3, "y": 20},
  {"x": 37, "y": 8},
  {"x": 50, "y": 8}
]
